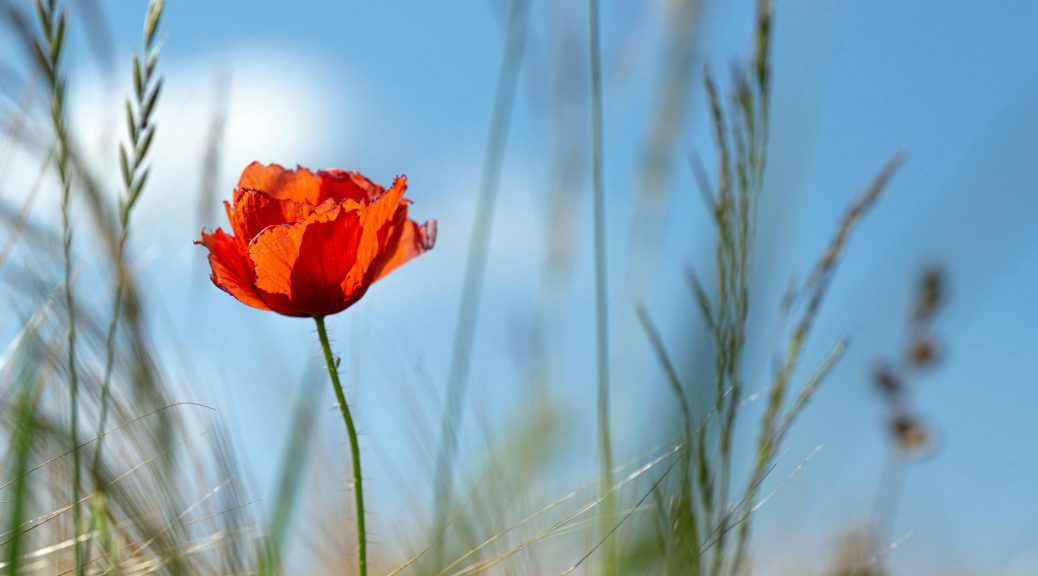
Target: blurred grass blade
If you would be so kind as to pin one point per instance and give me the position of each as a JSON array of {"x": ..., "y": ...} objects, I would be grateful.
[
  {"x": 293, "y": 465},
  {"x": 476, "y": 259},
  {"x": 21, "y": 446}
]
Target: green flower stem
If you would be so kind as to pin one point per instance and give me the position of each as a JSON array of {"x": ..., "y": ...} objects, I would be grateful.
[{"x": 358, "y": 486}]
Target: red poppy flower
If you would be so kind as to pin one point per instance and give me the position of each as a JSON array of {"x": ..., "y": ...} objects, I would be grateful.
[{"x": 309, "y": 244}]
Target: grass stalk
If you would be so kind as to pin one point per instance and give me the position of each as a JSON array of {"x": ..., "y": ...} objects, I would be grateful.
[
  {"x": 476, "y": 261},
  {"x": 53, "y": 24},
  {"x": 293, "y": 466},
  {"x": 687, "y": 526},
  {"x": 21, "y": 449},
  {"x": 139, "y": 124},
  {"x": 134, "y": 175},
  {"x": 772, "y": 429},
  {"x": 358, "y": 486},
  {"x": 601, "y": 298}
]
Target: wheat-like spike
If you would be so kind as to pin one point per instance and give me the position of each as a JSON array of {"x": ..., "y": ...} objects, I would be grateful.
[{"x": 134, "y": 172}]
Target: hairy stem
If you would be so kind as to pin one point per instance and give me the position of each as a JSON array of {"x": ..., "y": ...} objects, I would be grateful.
[{"x": 358, "y": 486}]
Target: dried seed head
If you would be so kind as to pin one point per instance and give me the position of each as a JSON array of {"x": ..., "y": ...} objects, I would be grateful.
[
  {"x": 931, "y": 291},
  {"x": 923, "y": 351},
  {"x": 853, "y": 555},
  {"x": 910, "y": 434},
  {"x": 887, "y": 381}
]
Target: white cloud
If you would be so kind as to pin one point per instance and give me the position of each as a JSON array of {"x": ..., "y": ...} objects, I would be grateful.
[
  {"x": 279, "y": 107},
  {"x": 282, "y": 106}
]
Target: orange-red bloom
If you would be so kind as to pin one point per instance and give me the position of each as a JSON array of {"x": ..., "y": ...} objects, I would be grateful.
[{"x": 309, "y": 244}]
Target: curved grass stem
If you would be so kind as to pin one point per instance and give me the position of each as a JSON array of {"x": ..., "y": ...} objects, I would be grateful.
[{"x": 358, "y": 487}]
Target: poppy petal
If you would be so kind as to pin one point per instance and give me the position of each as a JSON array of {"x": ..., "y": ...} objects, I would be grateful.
[
  {"x": 381, "y": 217},
  {"x": 311, "y": 243},
  {"x": 414, "y": 240},
  {"x": 341, "y": 185},
  {"x": 299, "y": 185},
  {"x": 231, "y": 268},
  {"x": 382, "y": 221},
  {"x": 255, "y": 210},
  {"x": 307, "y": 261}
]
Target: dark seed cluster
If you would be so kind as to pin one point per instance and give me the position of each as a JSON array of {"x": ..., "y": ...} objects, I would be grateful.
[{"x": 893, "y": 380}]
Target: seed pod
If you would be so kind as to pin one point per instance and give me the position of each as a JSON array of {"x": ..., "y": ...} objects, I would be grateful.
[
  {"x": 887, "y": 381},
  {"x": 923, "y": 350},
  {"x": 910, "y": 434},
  {"x": 931, "y": 291}
]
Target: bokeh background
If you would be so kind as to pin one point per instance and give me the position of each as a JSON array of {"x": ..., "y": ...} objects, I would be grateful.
[{"x": 398, "y": 87}]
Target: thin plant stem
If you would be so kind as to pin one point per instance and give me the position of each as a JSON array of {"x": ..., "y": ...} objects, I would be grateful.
[
  {"x": 53, "y": 23},
  {"x": 892, "y": 479},
  {"x": 601, "y": 303},
  {"x": 70, "y": 305},
  {"x": 358, "y": 486}
]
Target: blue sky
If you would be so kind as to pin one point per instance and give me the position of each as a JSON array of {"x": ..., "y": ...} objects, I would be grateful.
[{"x": 406, "y": 87}]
